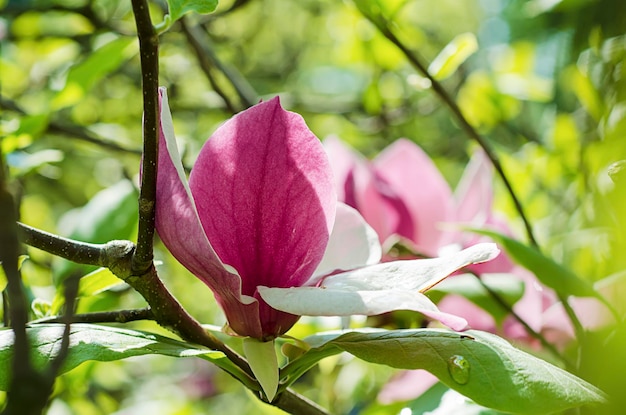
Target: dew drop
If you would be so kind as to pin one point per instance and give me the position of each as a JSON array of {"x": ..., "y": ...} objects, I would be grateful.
[{"x": 459, "y": 369}]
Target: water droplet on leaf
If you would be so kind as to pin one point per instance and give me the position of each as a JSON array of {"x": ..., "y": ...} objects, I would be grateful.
[{"x": 459, "y": 369}]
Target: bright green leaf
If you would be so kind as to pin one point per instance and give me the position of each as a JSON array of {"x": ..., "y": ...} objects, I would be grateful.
[
  {"x": 3, "y": 277},
  {"x": 91, "y": 284},
  {"x": 100, "y": 63},
  {"x": 453, "y": 55},
  {"x": 550, "y": 273},
  {"x": 101, "y": 343},
  {"x": 264, "y": 364},
  {"x": 479, "y": 365},
  {"x": 178, "y": 8}
]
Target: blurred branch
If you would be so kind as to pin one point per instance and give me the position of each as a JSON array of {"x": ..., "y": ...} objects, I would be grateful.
[
  {"x": 206, "y": 65},
  {"x": 203, "y": 47},
  {"x": 28, "y": 390},
  {"x": 413, "y": 57},
  {"x": 121, "y": 316},
  {"x": 71, "y": 291},
  {"x": 80, "y": 133},
  {"x": 149, "y": 53},
  {"x": 536, "y": 335}
]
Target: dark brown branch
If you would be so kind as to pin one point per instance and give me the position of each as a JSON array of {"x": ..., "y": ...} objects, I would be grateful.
[
  {"x": 149, "y": 52},
  {"x": 28, "y": 390},
  {"x": 120, "y": 316},
  {"x": 413, "y": 57},
  {"x": 75, "y": 251}
]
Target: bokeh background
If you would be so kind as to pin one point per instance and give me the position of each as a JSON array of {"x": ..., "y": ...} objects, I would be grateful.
[{"x": 546, "y": 88}]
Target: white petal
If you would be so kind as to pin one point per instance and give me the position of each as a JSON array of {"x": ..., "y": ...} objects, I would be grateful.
[
  {"x": 411, "y": 275},
  {"x": 313, "y": 301},
  {"x": 353, "y": 243}
]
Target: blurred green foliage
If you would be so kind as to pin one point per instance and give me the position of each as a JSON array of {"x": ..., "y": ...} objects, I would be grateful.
[{"x": 547, "y": 87}]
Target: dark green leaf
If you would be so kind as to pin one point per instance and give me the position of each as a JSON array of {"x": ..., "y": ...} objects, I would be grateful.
[
  {"x": 479, "y": 365},
  {"x": 91, "y": 342},
  {"x": 550, "y": 273}
]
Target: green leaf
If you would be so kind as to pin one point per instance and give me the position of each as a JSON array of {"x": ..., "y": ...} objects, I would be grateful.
[
  {"x": 3, "y": 276},
  {"x": 101, "y": 343},
  {"x": 264, "y": 364},
  {"x": 550, "y": 273},
  {"x": 453, "y": 55},
  {"x": 91, "y": 284},
  {"x": 178, "y": 8},
  {"x": 85, "y": 74},
  {"x": 479, "y": 365},
  {"x": 110, "y": 214}
]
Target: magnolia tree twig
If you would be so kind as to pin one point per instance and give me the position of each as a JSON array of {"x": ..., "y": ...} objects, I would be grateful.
[
  {"x": 205, "y": 64},
  {"x": 206, "y": 55},
  {"x": 149, "y": 53},
  {"x": 413, "y": 57},
  {"x": 120, "y": 316},
  {"x": 533, "y": 333}
]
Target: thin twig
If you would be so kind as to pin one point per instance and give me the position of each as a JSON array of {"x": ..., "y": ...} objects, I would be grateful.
[
  {"x": 203, "y": 48},
  {"x": 416, "y": 61},
  {"x": 120, "y": 316},
  {"x": 509, "y": 309},
  {"x": 149, "y": 52},
  {"x": 71, "y": 291},
  {"x": 205, "y": 65}
]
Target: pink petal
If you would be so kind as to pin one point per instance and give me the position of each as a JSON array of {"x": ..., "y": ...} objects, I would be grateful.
[
  {"x": 474, "y": 193},
  {"x": 263, "y": 188},
  {"x": 180, "y": 230},
  {"x": 407, "y": 385},
  {"x": 360, "y": 186},
  {"x": 413, "y": 176}
]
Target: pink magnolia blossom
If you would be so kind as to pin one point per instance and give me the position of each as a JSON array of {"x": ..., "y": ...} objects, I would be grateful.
[{"x": 259, "y": 223}]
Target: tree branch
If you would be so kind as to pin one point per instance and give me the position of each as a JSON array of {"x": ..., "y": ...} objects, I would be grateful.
[
  {"x": 165, "y": 309},
  {"x": 149, "y": 52},
  {"x": 120, "y": 316},
  {"x": 28, "y": 389}
]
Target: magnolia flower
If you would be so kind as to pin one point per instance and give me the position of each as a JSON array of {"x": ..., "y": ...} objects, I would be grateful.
[
  {"x": 259, "y": 223},
  {"x": 401, "y": 193}
]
